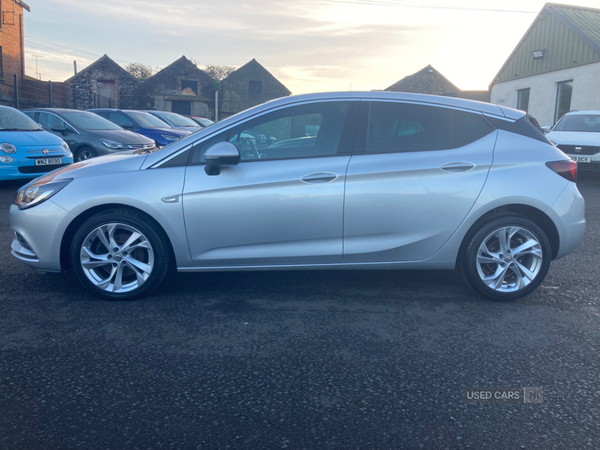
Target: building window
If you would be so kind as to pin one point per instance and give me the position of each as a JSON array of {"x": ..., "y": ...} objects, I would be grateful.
[
  {"x": 256, "y": 87},
  {"x": 564, "y": 90},
  {"x": 189, "y": 87},
  {"x": 523, "y": 99}
]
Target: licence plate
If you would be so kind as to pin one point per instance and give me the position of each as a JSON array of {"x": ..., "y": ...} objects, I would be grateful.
[
  {"x": 48, "y": 161},
  {"x": 581, "y": 158}
]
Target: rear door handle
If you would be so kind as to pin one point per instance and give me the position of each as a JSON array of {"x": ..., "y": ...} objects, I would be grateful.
[
  {"x": 320, "y": 177},
  {"x": 458, "y": 166}
]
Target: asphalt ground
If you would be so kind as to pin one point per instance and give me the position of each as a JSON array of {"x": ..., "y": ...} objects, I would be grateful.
[{"x": 300, "y": 360}]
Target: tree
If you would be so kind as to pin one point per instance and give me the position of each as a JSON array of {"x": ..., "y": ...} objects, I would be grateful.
[
  {"x": 139, "y": 70},
  {"x": 219, "y": 72}
]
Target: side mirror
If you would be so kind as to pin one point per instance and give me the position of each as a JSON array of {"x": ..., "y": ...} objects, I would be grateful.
[
  {"x": 546, "y": 129},
  {"x": 127, "y": 127},
  {"x": 221, "y": 154},
  {"x": 63, "y": 130}
]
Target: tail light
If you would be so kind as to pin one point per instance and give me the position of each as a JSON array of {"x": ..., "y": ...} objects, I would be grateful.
[{"x": 566, "y": 169}]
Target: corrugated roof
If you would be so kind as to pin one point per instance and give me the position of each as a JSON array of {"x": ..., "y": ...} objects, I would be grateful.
[{"x": 569, "y": 35}]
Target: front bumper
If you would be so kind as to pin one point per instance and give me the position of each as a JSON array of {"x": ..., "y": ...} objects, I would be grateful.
[
  {"x": 25, "y": 168},
  {"x": 38, "y": 233}
]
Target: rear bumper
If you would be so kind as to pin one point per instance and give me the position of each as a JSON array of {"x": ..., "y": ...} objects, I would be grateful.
[{"x": 568, "y": 214}]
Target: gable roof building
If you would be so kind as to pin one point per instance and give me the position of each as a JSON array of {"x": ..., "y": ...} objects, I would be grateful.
[
  {"x": 103, "y": 84},
  {"x": 429, "y": 81},
  {"x": 425, "y": 81},
  {"x": 556, "y": 65},
  {"x": 248, "y": 86},
  {"x": 181, "y": 87}
]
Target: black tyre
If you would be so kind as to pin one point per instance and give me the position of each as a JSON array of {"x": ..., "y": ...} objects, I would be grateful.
[
  {"x": 84, "y": 153},
  {"x": 120, "y": 254},
  {"x": 506, "y": 258}
]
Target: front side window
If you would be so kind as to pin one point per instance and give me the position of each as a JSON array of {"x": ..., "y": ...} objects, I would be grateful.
[
  {"x": 49, "y": 121},
  {"x": 295, "y": 132},
  {"x": 523, "y": 99},
  {"x": 403, "y": 127},
  {"x": 564, "y": 91},
  {"x": 120, "y": 120}
]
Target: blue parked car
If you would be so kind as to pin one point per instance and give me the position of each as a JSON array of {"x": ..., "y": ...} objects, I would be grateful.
[
  {"x": 177, "y": 121},
  {"x": 26, "y": 150},
  {"x": 143, "y": 123}
]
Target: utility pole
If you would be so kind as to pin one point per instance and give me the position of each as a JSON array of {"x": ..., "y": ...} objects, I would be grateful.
[{"x": 37, "y": 74}]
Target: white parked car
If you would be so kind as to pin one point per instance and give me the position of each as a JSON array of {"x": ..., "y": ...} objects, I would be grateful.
[{"x": 577, "y": 134}]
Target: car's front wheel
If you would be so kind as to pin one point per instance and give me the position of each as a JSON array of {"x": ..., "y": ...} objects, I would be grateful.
[
  {"x": 85, "y": 153},
  {"x": 507, "y": 258},
  {"x": 120, "y": 254}
]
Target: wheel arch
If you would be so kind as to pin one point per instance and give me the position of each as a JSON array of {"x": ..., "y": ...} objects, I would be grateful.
[
  {"x": 72, "y": 228},
  {"x": 532, "y": 213}
]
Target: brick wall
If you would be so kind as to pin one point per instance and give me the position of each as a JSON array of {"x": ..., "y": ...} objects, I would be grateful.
[{"x": 11, "y": 41}]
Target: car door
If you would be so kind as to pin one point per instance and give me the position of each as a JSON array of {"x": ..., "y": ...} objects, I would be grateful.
[
  {"x": 122, "y": 120},
  {"x": 283, "y": 203},
  {"x": 50, "y": 122},
  {"x": 415, "y": 173}
]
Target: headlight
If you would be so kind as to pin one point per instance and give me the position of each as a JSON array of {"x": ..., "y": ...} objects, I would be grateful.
[
  {"x": 6, "y": 159},
  {"x": 113, "y": 144},
  {"x": 35, "y": 194},
  {"x": 8, "y": 148},
  {"x": 65, "y": 146},
  {"x": 170, "y": 137}
]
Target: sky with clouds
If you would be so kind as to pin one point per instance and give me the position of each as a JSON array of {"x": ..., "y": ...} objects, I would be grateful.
[{"x": 309, "y": 45}]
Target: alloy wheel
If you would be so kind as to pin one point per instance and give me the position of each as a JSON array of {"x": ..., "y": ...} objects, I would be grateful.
[
  {"x": 509, "y": 259},
  {"x": 117, "y": 258},
  {"x": 84, "y": 154}
]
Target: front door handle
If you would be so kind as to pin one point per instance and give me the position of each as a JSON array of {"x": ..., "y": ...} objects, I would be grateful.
[
  {"x": 458, "y": 166},
  {"x": 320, "y": 177}
]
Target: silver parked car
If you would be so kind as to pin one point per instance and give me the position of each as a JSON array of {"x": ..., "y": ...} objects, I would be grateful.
[{"x": 367, "y": 180}]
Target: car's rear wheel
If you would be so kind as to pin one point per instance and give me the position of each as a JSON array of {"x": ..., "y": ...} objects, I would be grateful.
[
  {"x": 85, "y": 153},
  {"x": 507, "y": 258},
  {"x": 120, "y": 254}
]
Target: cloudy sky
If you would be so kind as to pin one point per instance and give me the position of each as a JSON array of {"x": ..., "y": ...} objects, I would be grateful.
[{"x": 309, "y": 45}]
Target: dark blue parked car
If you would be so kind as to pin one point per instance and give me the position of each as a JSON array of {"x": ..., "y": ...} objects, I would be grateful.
[{"x": 143, "y": 123}]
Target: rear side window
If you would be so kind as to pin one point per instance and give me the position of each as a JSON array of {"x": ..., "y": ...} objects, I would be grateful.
[
  {"x": 468, "y": 127},
  {"x": 403, "y": 127}
]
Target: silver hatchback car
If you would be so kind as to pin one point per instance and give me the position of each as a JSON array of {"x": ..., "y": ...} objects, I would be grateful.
[{"x": 359, "y": 180}]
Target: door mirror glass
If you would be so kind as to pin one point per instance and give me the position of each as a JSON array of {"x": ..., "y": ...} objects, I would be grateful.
[{"x": 221, "y": 154}]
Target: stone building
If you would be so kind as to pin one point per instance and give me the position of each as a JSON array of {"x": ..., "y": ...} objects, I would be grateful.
[
  {"x": 182, "y": 88},
  {"x": 429, "y": 81},
  {"x": 248, "y": 86},
  {"x": 12, "y": 59},
  {"x": 104, "y": 84}
]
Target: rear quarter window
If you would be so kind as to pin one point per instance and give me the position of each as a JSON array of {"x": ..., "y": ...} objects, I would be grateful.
[{"x": 468, "y": 127}]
